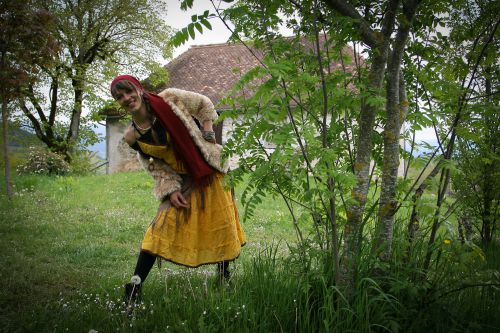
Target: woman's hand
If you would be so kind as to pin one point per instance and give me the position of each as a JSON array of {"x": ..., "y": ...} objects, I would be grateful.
[
  {"x": 177, "y": 200},
  {"x": 129, "y": 136},
  {"x": 209, "y": 136},
  {"x": 208, "y": 131}
]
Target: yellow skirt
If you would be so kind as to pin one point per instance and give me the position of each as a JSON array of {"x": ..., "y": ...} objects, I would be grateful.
[{"x": 207, "y": 232}]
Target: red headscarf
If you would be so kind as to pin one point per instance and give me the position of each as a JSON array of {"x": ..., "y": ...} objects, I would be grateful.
[{"x": 184, "y": 147}]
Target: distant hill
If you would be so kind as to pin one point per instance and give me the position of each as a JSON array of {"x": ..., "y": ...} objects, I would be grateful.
[
  {"x": 20, "y": 138},
  {"x": 100, "y": 147},
  {"x": 19, "y": 141}
]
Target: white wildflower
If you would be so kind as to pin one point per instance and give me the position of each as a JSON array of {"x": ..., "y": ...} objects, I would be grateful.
[{"x": 136, "y": 279}]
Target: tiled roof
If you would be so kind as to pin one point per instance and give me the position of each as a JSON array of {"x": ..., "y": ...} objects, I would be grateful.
[{"x": 211, "y": 70}]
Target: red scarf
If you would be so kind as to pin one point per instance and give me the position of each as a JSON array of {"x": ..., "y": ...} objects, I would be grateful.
[{"x": 184, "y": 147}]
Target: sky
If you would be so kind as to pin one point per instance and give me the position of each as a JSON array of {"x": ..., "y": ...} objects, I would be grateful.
[{"x": 178, "y": 19}]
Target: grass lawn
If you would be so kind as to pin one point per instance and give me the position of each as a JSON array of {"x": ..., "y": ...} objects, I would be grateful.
[
  {"x": 68, "y": 244},
  {"x": 68, "y": 241}
]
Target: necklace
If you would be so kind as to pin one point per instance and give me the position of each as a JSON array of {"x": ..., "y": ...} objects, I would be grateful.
[{"x": 142, "y": 128}]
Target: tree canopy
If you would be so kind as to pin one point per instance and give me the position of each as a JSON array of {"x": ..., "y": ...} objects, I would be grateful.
[{"x": 97, "y": 40}]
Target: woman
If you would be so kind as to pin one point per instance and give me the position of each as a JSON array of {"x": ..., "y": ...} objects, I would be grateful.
[{"x": 197, "y": 221}]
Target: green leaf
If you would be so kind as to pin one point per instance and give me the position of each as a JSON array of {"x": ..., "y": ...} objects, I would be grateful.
[
  {"x": 185, "y": 4},
  {"x": 198, "y": 27},
  {"x": 194, "y": 18},
  {"x": 206, "y": 24},
  {"x": 191, "y": 30}
]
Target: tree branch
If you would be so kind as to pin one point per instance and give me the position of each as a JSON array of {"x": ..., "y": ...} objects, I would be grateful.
[
  {"x": 33, "y": 100},
  {"x": 34, "y": 122},
  {"x": 367, "y": 34}
]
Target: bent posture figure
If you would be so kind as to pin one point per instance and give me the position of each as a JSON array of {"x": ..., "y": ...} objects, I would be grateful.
[{"x": 197, "y": 220}]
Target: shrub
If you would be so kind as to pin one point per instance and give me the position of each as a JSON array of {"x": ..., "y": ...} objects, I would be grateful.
[
  {"x": 41, "y": 161},
  {"x": 81, "y": 162}
]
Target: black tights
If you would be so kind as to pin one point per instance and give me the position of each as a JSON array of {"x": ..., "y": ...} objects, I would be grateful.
[
  {"x": 144, "y": 264},
  {"x": 146, "y": 261}
]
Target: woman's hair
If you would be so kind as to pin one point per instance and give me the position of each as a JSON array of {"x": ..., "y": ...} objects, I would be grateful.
[{"x": 123, "y": 85}]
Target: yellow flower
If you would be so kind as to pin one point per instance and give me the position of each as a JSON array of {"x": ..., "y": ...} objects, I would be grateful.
[{"x": 447, "y": 242}]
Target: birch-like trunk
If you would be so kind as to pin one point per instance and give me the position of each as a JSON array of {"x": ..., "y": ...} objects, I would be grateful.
[
  {"x": 379, "y": 42},
  {"x": 362, "y": 172},
  {"x": 5, "y": 148},
  {"x": 396, "y": 109},
  {"x": 5, "y": 134}
]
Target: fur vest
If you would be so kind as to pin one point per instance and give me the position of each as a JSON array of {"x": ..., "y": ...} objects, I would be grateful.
[{"x": 185, "y": 105}]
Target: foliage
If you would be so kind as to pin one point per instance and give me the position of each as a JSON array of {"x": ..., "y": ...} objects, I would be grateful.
[
  {"x": 454, "y": 82},
  {"x": 477, "y": 156},
  {"x": 97, "y": 41},
  {"x": 300, "y": 133},
  {"x": 196, "y": 22},
  {"x": 41, "y": 161},
  {"x": 82, "y": 162},
  {"x": 23, "y": 48},
  {"x": 307, "y": 124},
  {"x": 25, "y": 45}
]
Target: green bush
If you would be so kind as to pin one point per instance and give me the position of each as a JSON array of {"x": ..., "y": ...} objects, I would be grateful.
[
  {"x": 41, "y": 161},
  {"x": 81, "y": 162}
]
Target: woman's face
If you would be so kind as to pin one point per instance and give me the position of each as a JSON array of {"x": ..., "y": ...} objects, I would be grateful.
[{"x": 129, "y": 99}]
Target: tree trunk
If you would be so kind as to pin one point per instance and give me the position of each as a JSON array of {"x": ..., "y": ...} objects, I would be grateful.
[
  {"x": 5, "y": 133},
  {"x": 78, "y": 83},
  {"x": 5, "y": 148},
  {"x": 75, "y": 117},
  {"x": 396, "y": 108},
  {"x": 414, "y": 223},
  {"x": 489, "y": 181},
  {"x": 388, "y": 203},
  {"x": 379, "y": 42},
  {"x": 361, "y": 170}
]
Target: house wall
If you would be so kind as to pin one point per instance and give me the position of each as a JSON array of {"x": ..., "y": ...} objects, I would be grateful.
[{"x": 120, "y": 156}]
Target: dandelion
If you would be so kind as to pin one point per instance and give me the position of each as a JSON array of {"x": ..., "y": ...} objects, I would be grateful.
[
  {"x": 447, "y": 242},
  {"x": 205, "y": 312},
  {"x": 136, "y": 279}
]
